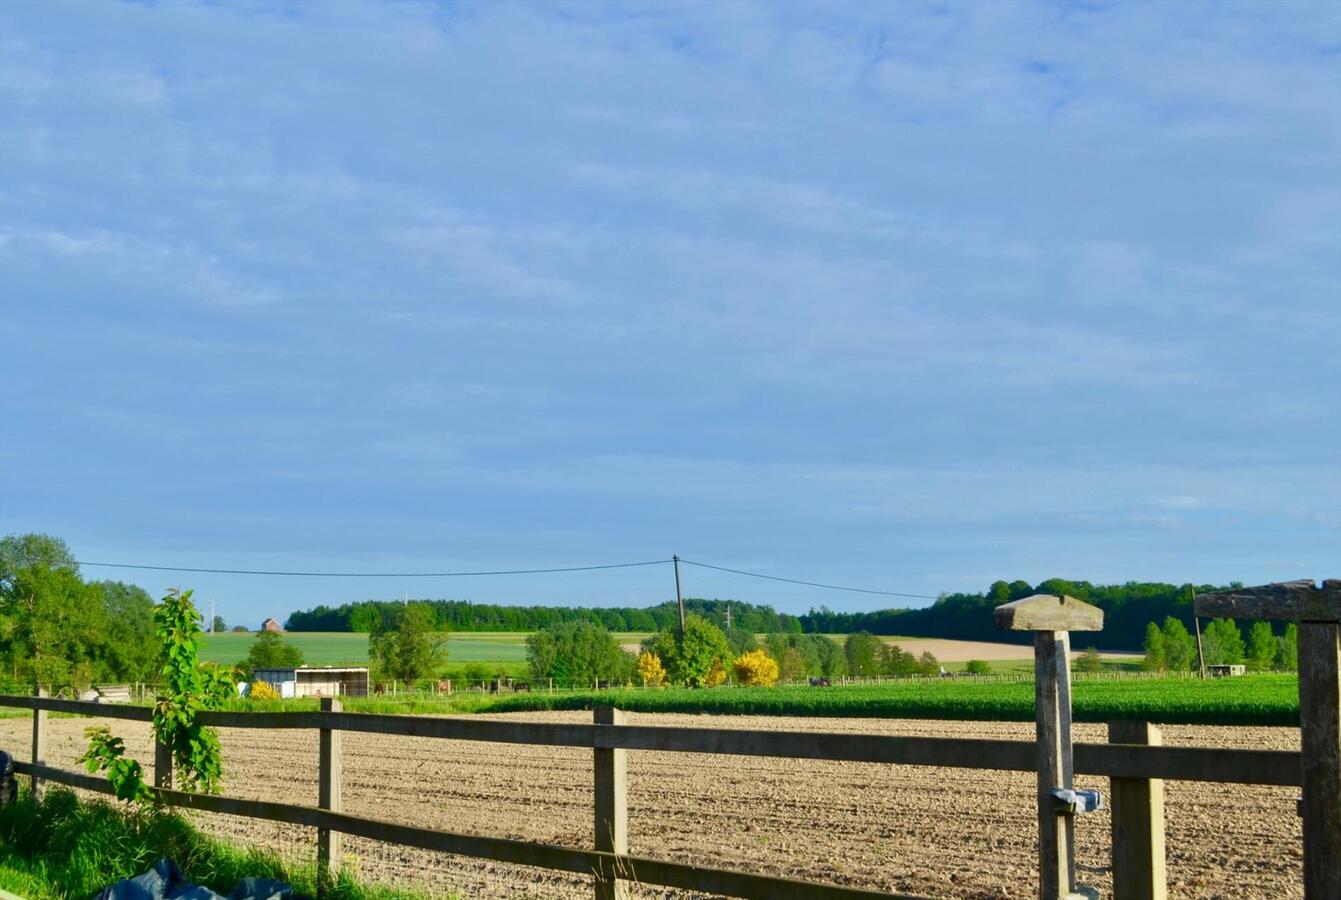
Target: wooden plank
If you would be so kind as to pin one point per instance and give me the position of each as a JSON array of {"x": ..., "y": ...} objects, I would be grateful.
[
  {"x": 39, "y": 755},
  {"x": 1052, "y": 697},
  {"x": 1279, "y": 767},
  {"x": 78, "y": 707},
  {"x": 1137, "y": 823},
  {"x": 1049, "y": 612},
  {"x": 329, "y": 796},
  {"x": 1320, "y": 723},
  {"x": 547, "y": 856},
  {"x": 610, "y": 778},
  {"x": 1301, "y": 601}
]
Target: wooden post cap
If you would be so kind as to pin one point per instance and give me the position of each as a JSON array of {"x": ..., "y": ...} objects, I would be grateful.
[
  {"x": 1301, "y": 601},
  {"x": 1049, "y": 612}
]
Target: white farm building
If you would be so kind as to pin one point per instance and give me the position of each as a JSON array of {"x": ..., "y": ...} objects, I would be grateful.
[{"x": 327, "y": 681}]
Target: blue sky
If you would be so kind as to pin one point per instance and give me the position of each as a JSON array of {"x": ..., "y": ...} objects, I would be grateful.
[{"x": 910, "y": 297}]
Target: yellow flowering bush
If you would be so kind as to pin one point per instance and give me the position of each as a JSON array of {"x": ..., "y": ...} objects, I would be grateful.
[
  {"x": 263, "y": 690},
  {"x": 755, "y": 667}
]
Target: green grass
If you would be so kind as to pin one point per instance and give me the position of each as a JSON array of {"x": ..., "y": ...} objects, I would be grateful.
[
  {"x": 322, "y": 648},
  {"x": 1250, "y": 700},
  {"x": 63, "y": 848}
]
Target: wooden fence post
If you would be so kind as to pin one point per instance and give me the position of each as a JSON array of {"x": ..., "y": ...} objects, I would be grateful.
[
  {"x": 1052, "y": 618},
  {"x": 162, "y": 764},
  {"x": 1320, "y": 721},
  {"x": 1138, "y": 823},
  {"x": 1318, "y": 612},
  {"x": 39, "y": 742},
  {"x": 329, "y": 849},
  {"x": 612, "y": 815}
]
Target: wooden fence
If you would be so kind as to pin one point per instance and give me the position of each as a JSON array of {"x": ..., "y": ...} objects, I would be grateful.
[
  {"x": 1128, "y": 762},
  {"x": 1133, "y": 760}
]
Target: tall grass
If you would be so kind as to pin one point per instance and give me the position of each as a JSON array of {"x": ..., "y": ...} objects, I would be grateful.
[{"x": 63, "y": 848}]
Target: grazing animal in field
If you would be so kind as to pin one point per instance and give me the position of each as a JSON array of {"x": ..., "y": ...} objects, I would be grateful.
[
  {"x": 379, "y": 689},
  {"x": 444, "y": 687},
  {"x": 820, "y": 682},
  {"x": 495, "y": 686},
  {"x": 524, "y": 686}
]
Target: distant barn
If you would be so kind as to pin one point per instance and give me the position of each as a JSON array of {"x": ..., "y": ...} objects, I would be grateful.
[{"x": 271, "y": 625}]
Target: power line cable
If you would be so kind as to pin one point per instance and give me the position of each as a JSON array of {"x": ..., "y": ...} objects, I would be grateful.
[
  {"x": 831, "y": 587},
  {"x": 653, "y": 562}
]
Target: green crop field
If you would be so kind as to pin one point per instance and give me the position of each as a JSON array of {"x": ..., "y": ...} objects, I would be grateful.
[{"x": 1249, "y": 700}]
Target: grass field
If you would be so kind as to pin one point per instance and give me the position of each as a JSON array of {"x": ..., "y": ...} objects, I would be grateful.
[{"x": 351, "y": 648}]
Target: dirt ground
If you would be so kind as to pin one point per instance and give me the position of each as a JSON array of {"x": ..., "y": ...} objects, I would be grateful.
[{"x": 920, "y": 830}]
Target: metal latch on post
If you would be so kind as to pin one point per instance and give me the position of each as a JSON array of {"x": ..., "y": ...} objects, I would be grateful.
[{"x": 1074, "y": 802}]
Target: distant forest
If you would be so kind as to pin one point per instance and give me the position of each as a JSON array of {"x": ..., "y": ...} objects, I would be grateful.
[{"x": 1128, "y": 608}]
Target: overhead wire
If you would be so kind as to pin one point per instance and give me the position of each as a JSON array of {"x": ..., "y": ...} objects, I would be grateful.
[
  {"x": 653, "y": 562},
  {"x": 493, "y": 572}
]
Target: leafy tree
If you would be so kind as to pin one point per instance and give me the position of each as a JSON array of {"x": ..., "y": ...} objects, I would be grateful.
[
  {"x": 271, "y": 651},
  {"x": 1180, "y": 648},
  {"x": 650, "y": 669},
  {"x": 1287, "y": 649},
  {"x": 896, "y": 661},
  {"x": 408, "y": 647},
  {"x": 1222, "y": 643},
  {"x": 1155, "y": 660},
  {"x": 219, "y": 626},
  {"x": 977, "y": 667},
  {"x": 742, "y": 640},
  {"x": 50, "y": 621},
  {"x": 791, "y": 665},
  {"x": 1090, "y": 661},
  {"x": 577, "y": 651},
  {"x": 689, "y": 658},
  {"x": 928, "y": 664},
  {"x": 239, "y": 629},
  {"x": 131, "y": 650},
  {"x": 862, "y": 652},
  {"x": 1261, "y": 646}
]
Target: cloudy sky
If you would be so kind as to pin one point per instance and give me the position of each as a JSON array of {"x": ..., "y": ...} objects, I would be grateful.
[{"x": 908, "y": 297}]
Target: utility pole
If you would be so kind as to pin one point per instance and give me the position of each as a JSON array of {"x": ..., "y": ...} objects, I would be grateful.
[
  {"x": 211, "y": 615},
  {"x": 679, "y": 597},
  {"x": 728, "y": 615},
  {"x": 1196, "y": 624}
]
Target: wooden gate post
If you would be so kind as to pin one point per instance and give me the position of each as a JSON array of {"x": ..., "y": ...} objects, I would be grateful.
[
  {"x": 162, "y": 764},
  {"x": 329, "y": 759},
  {"x": 39, "y": 743},
  {"x": 612, "y": 813},
  {"x": 1318, "y": 612},
  {"x": 1138, "y": 823},
  {"x": 1052, "y": 618}
]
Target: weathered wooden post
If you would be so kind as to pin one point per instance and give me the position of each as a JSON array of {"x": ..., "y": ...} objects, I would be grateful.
[
  {"x": 1318, "y": 612},
  {"x": 1052, "y": 618},
  {"x": 162, "y": 764},
  {"x": 329, "y": 753},
  {"x": 39, "y": 743},
  {"x": 1138, "y": 823},
  {"x": 612, "y": 814}
]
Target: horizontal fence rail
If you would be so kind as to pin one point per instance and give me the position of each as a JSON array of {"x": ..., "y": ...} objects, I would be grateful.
[
  {"x": 1270, "y": 767},
  {"x": 548, "y": 856}
]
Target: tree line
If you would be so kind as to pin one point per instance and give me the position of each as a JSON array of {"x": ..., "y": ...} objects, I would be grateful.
[
  {"x": 966, "y": 616},
  {"x": 463, "y": 615},
  {"x": 1128, "y": 608}
]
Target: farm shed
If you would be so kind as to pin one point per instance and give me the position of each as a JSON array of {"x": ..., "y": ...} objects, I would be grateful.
[{"x": 327, "y": 681}]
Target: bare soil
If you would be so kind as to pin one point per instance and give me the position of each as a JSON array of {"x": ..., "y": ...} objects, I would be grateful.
[{"x": 920, "y": 830}]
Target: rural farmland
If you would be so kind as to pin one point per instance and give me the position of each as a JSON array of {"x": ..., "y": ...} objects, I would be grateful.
[{"x": 938, "y": 832}]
